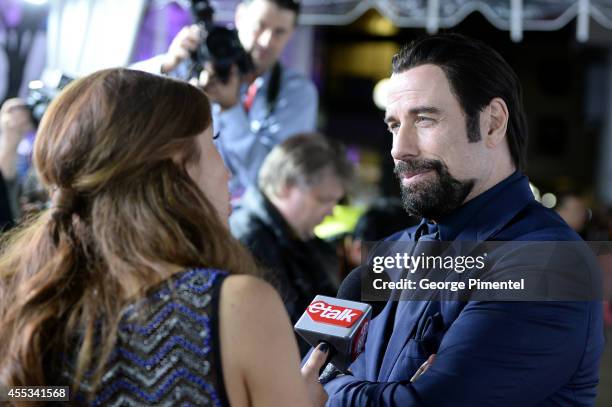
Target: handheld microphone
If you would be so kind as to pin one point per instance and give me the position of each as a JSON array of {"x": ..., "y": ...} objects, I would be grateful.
[
  {"x": 341, "y": 323},
  {"x": 351, "y": 287}
]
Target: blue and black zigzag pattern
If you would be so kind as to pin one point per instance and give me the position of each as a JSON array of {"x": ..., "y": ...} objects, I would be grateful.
[{"x": 166, "y": 351}]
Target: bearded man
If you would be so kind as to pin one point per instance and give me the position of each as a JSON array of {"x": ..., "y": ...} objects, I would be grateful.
[{"x": 459, "y": 139}]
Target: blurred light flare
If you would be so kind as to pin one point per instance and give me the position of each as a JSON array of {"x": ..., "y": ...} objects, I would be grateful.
[
  {"x": 381, "y": 90},
  {"x": 549, "y": 200}
]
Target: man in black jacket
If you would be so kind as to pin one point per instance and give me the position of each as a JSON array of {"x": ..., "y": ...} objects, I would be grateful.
[{"x": 300, "y": 182}]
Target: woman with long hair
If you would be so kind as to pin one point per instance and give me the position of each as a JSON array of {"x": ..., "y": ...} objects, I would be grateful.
[{"x": 129, "y": 288}]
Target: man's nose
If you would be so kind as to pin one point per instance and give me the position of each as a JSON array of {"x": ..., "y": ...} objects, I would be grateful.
[{"x": 405, "y": 144}]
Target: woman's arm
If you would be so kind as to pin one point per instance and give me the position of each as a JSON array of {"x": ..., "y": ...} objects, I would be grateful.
[{"x": 259, "y": 352}]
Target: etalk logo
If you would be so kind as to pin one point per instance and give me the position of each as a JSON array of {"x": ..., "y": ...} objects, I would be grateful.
[{"x": 321, "y": 311}]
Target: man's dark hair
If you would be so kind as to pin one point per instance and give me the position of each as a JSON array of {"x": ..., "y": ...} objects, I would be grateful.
[
  {"x": 476, "y": 74},
  {"x": 292, "y": 5}
]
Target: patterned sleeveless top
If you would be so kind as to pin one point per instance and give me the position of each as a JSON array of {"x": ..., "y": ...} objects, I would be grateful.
[{"x": 167, "y": 351}]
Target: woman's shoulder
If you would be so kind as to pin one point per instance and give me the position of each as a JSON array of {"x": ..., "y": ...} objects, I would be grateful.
[
  {"x": 245, "y": 284},
  {"x": 249, "y": 295},
  {"x": 250, "y": 312},
  {"x": 259, "y": 352},
  {"x": 236, "y": 297},
  {"x": 239, "y": 288}
]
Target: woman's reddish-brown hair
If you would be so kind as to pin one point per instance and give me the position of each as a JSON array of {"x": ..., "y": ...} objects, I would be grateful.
[{"x": 112, "y": 149}]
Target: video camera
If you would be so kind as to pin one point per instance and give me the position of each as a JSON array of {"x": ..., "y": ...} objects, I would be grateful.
[{"x": 219, "y": 45}]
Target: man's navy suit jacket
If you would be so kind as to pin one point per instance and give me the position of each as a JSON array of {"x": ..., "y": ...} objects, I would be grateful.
[{"x": 487, "y": 353}]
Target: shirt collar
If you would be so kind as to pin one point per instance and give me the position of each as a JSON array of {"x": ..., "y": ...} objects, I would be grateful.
[
  {"x": 264, "y": 78},
  {"x": 452, "y": 224},
  {"x": 259, "y": 82}
]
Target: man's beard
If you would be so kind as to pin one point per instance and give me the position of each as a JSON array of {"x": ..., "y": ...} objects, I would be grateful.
[{"x": 435, "y": 198}]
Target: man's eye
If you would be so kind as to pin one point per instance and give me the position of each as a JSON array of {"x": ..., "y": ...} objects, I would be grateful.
[
  {"x": 393, "y": 127},
  {"x": 424, "y": 121}
]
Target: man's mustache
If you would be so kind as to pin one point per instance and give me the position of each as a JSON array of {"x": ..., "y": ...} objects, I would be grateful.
[{"x": 416, "y": 166}]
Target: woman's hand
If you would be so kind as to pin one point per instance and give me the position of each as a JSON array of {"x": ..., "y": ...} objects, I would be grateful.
[{"x": 310, "y": 373}]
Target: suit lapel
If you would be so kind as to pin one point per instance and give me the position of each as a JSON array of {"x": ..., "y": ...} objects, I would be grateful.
[
  {"x": 409, "y": 314},
  {"x": 404, "y": 316},
  {"x": 407, "y": 317},
  {"x": 376, "y": 343}
]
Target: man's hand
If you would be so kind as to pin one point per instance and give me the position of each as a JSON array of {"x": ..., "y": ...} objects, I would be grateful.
[
  {"x": 227, "y": 95},
  {"x": 185, "y": 42},
  {"x": 423, "y": 368},
  {"x": 310, "y": 373},
  {"x": 15, "y": 122}
]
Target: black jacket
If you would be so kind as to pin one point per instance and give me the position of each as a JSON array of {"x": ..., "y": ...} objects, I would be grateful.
[{"x": 298, "y": 269}]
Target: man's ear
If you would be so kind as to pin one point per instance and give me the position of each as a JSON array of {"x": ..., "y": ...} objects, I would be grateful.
[
  {"x": 495, "y": 122},
  {"x": 285, "y": 190}
]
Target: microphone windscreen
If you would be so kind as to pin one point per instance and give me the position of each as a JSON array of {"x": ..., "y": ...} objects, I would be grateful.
[{"x": 350, "y": 289}]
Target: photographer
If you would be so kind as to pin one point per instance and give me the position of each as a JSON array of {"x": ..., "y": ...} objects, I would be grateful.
[
  {"x": 15, "y": 124},
  {"x": 253, "y": 112}
]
